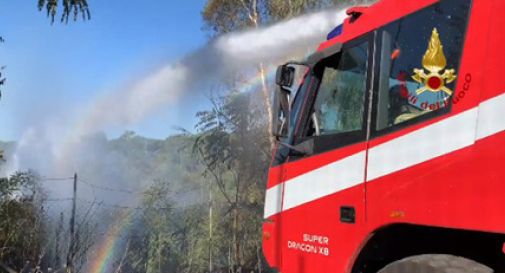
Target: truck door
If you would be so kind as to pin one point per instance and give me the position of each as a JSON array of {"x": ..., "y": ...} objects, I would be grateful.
[
  {"x": 417, "y": 121},
  {"x": 323, "y": 190}
]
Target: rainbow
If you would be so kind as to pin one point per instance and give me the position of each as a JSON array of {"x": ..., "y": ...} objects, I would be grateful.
[
  {"x": 257, "y": 80},
  {"x": 112, "y": 241}
]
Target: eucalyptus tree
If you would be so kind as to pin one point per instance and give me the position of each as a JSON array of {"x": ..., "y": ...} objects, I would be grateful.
[{"x": 232, "y": 145}]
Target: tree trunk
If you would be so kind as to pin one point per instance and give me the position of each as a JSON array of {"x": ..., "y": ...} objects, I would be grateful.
[
  {"x": 254, "y": 18},
  {"x": 258, "y": 255},
  {"x": 235, "y": 236},
  {"x": 268, "y": 103},
  {"x": 125, "y": 254}
]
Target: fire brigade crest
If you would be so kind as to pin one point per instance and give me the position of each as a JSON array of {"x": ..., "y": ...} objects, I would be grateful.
[{"x": 434, "y": 76}]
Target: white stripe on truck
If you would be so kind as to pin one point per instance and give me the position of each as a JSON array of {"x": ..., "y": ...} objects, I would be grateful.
[
  {"x": 441, "y": 138},
  {"x": 438, "y": 139}
]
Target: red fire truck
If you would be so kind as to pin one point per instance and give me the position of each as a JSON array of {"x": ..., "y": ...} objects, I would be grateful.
[{"x": 391, "y": 146}]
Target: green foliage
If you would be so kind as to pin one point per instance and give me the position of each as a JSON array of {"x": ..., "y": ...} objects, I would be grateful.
[
  {"x": 167, "y": 237},
  {"x": 281, "y": 10},
  {"x": 223, "y": 16},
  {"x": 158, "y": 220},
  {"x": 70, "y": 8},
  {"x": 22, "y": 183},
  {"x": 232, "y": 145},
  {"x": 21, "y": 223}
]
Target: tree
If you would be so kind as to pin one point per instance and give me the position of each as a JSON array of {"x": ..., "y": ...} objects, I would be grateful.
[
  {"x": 282, "y": 10},
  {"x": 21, "y": 221},
  {"x": 70, "y": 8},
  {"x": 223, "y": 16},
  {"x": 84, "y": 240},
  {"x": 233, "y": 147},
  {"x": 166, "y": 238}
]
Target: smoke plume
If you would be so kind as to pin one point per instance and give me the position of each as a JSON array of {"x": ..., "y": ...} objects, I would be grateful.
[
  {"x": 57, "y": 148},
  {"x": 224, "y": 55}
]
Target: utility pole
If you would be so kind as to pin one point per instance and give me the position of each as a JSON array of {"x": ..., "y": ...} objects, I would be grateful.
[{"x": 71, "y": 250}]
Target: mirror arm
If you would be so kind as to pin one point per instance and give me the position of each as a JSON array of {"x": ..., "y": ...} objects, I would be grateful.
[
  {"x": 302, "y": 149},
  {"x": 291, "y": 147},
  {"x": 315, "y": 120}
]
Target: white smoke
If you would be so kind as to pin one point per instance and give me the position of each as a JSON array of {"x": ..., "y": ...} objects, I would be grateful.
[
  {"x": 52, "y": 147},
  {"x": 281, "y": 40},
  {"x": 226, "y": 54},
  {"x": 129, "y": 106}
]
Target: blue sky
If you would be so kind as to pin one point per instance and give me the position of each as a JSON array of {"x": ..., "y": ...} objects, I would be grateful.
[{"x": 52, "y": 70}]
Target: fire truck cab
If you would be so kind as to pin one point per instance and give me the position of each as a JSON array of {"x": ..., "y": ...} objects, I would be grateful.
[{"x": 390, "y": 150}]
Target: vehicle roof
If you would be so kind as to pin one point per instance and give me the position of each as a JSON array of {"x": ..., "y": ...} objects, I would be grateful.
[{"x": 375, "y": 16}]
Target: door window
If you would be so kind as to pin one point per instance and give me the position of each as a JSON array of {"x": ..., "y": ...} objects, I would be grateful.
[
  {"x": 339, "y": 102},
  {"x": 419, "y": 60}
]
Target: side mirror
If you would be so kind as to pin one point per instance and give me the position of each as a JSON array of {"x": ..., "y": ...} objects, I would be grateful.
[{"x": 285, "y": 76}]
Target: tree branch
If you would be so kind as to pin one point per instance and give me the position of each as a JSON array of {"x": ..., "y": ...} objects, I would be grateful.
[{"x": 7, "y": 268}]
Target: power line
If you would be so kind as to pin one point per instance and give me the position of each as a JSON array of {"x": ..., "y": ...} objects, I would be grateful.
[
  {"x": 122, "y": 207},
  {"x": 105, "y": 188},
  {"x": 58, "y": 199},
  {"x": 108, "y": 188},
  {"x": 102, "y": 204},
  {"x": 55, "y": 178}
]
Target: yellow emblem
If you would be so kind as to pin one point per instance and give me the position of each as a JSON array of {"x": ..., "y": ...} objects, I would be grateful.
[{"x": 434, "y": 62}]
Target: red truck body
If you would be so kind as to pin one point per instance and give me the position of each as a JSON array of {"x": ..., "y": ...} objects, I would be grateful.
[{"x": 432, "y": 184}]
